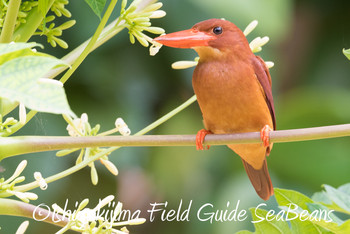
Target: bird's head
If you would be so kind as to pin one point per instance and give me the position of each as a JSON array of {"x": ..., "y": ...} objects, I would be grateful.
[{"x": 213, "y": 36}]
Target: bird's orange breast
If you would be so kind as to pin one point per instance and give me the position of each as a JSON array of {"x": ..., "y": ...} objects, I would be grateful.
[{"x": 232, "y": 101}]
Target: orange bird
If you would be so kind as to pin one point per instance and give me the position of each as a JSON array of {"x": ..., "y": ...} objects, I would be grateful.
[{"x": 233, "y": 88}]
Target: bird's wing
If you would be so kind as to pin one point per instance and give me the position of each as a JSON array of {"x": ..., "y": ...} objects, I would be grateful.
[{"x": 263, "y": 75}]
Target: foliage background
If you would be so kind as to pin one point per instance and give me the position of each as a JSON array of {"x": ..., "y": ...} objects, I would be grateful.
[{"x": 310, "y": 85}]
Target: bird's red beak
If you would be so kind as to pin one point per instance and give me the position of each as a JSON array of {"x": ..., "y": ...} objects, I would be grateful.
[{"x": 185, "y": 39}]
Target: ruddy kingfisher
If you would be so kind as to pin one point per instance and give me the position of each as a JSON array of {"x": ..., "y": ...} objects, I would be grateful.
[{"x": 233, "y": 89}]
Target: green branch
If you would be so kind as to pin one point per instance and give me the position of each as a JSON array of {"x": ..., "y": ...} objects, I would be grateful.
[
  {"x": 10, "y": 21},
  {"x": 11, "y": 146},
  {"x": 86, "y": 162},
  {"x": 17, "y": 208},
  {"x": 91, "y": 42}
]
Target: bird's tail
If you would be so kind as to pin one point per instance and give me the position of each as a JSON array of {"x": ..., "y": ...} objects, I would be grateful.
[{"x": 260, "y": 180}]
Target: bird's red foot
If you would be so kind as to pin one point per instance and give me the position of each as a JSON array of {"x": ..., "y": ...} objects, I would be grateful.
[
  {"x": 200, "y": 139},
  {"x": 265, "y": 135}
]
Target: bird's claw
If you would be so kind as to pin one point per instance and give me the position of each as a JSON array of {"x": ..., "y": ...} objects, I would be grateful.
[
  {"x": 265, "y": 135},
  {"x": 200, "y": 139}
]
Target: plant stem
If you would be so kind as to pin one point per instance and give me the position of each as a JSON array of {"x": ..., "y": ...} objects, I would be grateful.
[
  {"x": 26, "y": 30},
  {"x": 10, "y": 146},
  {"x": 107, "y": 33},
  {"x": 28, "y": 144},
  {"x": 14, "y": 128},
  {"x": 10, "y": 21},
  {"x": 180, "y": 140},
  {"x": 62, "y": 174},
  {"x": 91, "y": 43},
  {"x": 17, "y": 208},
  {"x": 83, "y": 164},
  {"x": 167, "y": 116}
]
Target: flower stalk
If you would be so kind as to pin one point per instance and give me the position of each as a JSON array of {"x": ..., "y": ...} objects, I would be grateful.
[
  {"x": 10, "y": 21},
  {"x": 26, "y": 30},
  {"x": 11, "y": 146}
]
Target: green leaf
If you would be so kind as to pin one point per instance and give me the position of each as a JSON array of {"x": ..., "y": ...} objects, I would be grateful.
[
  {"x": 340, "y": 197},
  {"x": 345, "y": 188},
  {"x": 14, "y": 50},
  {"x": 327, "y": 216},
  {"x": 12, "y": 47},
  {"x": 298, "y": 226},
  {"x": 42, "y": 6},
  {"x": 303, "y": 214},
  {"x": 311, "y": 217},
  {"x": 20, "y": 81},
  {"x": 97, "y": 6},
  {"x": 244, "y": 232},
  {"x": 345, "y": 227},
  {"x": 347, "y": 53},
  {"x": 317, "y": 219},
  {"x": 323, "y": 198},
  {"x": 285, "y": 197},
  {"x": 266, "y": 222}
]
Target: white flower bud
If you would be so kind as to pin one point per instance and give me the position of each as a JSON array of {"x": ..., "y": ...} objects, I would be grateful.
[
  {"x": 84, "y": 118},
  {"x": 50, "y": 81},
  {"x": 118, "y": 208},
  {"x": 22, "y": 114},
  {"x": 104, "y": 202},
  {"x": 153, "y": 7},
  {"x": 119, "y": 123},
  {"x": 31, "y": 196},
  {"x": 122, "y": 127},
  {"x": 110, "y": 166},
  {"x": 184, "y": 64},
  {"x": 125, "y": 131},
  {"x": 22, "y": 228},
  {"x": 86, "y": 215},
  {"x": 93, "y": 174},
  {"x": 20, "y": 195},
  {"x": 256, "y": 44},
  {"x": 155, "y": 30},
  {"x": 137, "y": 221},
  {"x": 250, "y": 27},
  {"x": 269, "y": 64},
  {"x": 19, "y": 168},
  {"x": 41, "y": 181},
  {"x": 154, "y": 49},
  {"x": 157, "y": 14},
  {"x": 79, "y": 124}
]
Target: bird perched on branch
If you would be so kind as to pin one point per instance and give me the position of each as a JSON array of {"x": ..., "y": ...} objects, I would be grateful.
[{"x": 233, "y": 89}]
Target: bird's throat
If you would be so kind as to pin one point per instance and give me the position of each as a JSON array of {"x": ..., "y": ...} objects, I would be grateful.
[{"x": 207, "y": 52}]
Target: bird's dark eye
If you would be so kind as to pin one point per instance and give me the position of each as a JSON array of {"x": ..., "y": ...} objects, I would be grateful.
[{"x": 217, "y": 30}]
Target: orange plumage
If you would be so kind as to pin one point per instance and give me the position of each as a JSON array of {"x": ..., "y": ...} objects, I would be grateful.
[{"x": 233, "y": 88}]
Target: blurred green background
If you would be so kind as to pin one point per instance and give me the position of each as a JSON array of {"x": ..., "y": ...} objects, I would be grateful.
[{"x": 311, "y": 87}]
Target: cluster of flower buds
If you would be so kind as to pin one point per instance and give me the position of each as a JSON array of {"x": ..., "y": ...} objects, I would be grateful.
[
  {"x": 51, "y": 32},
  {"x": 41, "y": 181},
  {"x": 81, "y": 127},
  {"x": 8, "y": 185},
  {"x": 122, "y": 127},
  {"x": 87, "y": 220},
  {"x": 139, "y": 21}
]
